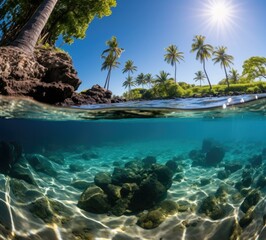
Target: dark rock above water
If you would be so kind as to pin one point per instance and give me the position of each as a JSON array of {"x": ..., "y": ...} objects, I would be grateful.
[{"x": 47, "y": 76}]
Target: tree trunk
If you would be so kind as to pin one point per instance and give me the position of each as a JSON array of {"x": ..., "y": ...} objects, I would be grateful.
[
  {"x": 226, "y": 76},
  {"x": 175, "y": 72},
  {"x": 207, "y": 75},
  {"x": 107, "y": 78},
  {"x": 28, "y": 36}
]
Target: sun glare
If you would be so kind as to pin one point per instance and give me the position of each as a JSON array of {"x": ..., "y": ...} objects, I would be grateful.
[{"x": 219, "y": 15}]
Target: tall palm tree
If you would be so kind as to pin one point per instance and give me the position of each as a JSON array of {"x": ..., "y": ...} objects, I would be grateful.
[
  {"x": 204, "y": 51},
  {"x": 225, "y": 60},
  {"x": 110, "y": 56},
  {"x": 149, "y": 79},
  {"x": 129, "y": 67},
  {"x": 109, "y": 63},
  {"x": 173, "y": 56},
  {"x": 128, "y": 84},
  {"x": 141, "y": 79},
  {"x": 200, "y": 76},
  {"x": 28, "y": 36},
  {"x": 113, "y": 48},
  {"x": 234, "y": 75}
]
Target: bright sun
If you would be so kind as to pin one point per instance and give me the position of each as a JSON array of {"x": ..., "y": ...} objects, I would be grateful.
[{"x": 219, "y": 15}]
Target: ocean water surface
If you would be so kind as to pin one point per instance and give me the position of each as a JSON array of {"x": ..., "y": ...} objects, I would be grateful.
[{"x": 200, "y": 161}]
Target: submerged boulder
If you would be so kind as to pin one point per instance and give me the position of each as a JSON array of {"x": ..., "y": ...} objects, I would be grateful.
[
  {"x": 139, "y": 186},
  {"x": 214, "y": 156},
  {"x": 10, "y": 153},
  {"x": 94, "y": 200},
  {"x": 41, "y": 164}
]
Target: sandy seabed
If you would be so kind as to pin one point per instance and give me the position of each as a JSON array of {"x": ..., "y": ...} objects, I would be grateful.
[{"x": 19, "y": 221}]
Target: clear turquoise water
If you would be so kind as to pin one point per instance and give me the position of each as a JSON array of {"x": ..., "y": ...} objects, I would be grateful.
[{"x": 124, "y": 132}]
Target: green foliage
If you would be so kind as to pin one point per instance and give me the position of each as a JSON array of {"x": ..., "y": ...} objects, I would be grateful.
[
  {"x": 170, "y": 89},
  {"x": 254, "y": 67},
  {"x": 70, "y": 18}
]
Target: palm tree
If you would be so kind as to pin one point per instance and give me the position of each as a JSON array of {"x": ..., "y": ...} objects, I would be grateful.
[
  {"x": 204, "y": 51},
  {"x": 141, "y": 79},
  {"x": 28, "y": 36},
  {"x": 149, "y": 79},
  {"x": 224, "y": 59},
  {"x": 109, "y": 63},
  {"x": 173, "y": 56},
  {"x": 128, "y": 84},
  {"x": 111, "y": 55},
  {"x": 113, "y": 49},
  {"x": 162, "y": 77},
  {"x": 234, "y": 75},
  {"x": 129, "y": 67},
  {"x": 200, "y": 76}
]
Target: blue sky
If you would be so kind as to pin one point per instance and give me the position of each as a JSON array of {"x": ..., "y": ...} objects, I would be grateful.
[{"x": 144, "y": 28}]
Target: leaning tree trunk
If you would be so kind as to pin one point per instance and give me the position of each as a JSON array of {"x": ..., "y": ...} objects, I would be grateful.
[
  {"x": 226, "y": 76},
  {"x": 207, "y": 75},
  {"x": 28, "y": 36}
]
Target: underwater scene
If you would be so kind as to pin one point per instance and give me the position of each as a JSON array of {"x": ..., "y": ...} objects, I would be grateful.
[{"x": 179, "y": 169}]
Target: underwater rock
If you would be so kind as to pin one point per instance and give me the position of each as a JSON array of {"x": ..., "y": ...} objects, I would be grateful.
[
  {"x": 232, "y": 167},
  {"x": 261, "y": 182},
  {"x": 128, "y": 189},
  {"x": 80, "y": 184},
  {"x": 20, "y": 171},
  {"x": 178, "y": 177},
  {"x": 256, "y": 161},
  {"x": 73, "y": 167},
  {"x": 169, "y": 207},
  {"x": 10, "y": 153},
  {"x": 151, "y": 220},
  {"x": 120, "y": 207},
  {"x": 125, "y": 175},
  {"x": 223, "y": 174},
  {"x": 113, "y": 192},
  {"x": 172, "y": 165},
  {"x": 148, "y": 161},
  {"x": 197, "y": 156},
  {"x": 212, "y": 207},
  {"x": 251, "y": 200},
  {"x": 163, "y": 174},
  {"x": 41, "y": 209},
  {"x": 41, "y": 164},
  {"x": 207, "y": 144},
  {"x": 102, "y": 179},
  {"x": 150, "y": 193},
  {"x": 247, "y": 218},
  {"x": 94, "y": 200},
  {"x": 214, "y": 156},
  {"x": 24, "y": 192},
  {"x": 50, "y": 211},
  {"x": 205, "y": 181}
]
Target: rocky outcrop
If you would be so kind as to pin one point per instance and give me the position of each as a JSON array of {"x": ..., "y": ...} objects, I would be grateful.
[
  {"x": 47, "y": 76},
  {"x": 94, "y": 95}
]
